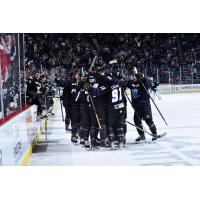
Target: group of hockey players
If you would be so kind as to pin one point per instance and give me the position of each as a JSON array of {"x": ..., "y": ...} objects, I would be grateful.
[{"x": 96, "y": 106}]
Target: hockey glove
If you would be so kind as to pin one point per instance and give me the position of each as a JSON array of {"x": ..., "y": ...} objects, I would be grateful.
[{"x": 87, "y": 87}]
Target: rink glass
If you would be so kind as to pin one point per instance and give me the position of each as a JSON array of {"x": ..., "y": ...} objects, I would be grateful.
[{"x": 12, "y": 74}]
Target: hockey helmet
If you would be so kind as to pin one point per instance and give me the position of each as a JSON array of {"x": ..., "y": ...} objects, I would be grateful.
[{"x": 101, "y": 68}]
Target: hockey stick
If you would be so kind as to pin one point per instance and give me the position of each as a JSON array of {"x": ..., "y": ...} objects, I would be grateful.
[
  {"x": 158, "y": 136},
  {"x": 93, "y": 62},
  {"x": 96, "y": 56},
  {"x": 153, "y": 101},
  {"x": 90, "y": 69},
  {"x": 61, "y": 107},
  {"x": 144, "y": 130},
  {"x": 97, "y": 118},
  {"x": 139, "y": 128}
]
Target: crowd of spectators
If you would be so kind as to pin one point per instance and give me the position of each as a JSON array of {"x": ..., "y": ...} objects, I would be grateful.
[
  {"x": 158, "y": 55},
  {"x": 191, "y": 53},
  {"x": 59, "y": 52},
  {"x": 150, "y": 53}
]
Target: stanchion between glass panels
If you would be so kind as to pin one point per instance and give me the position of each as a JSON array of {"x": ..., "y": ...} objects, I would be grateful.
[{"x": 1, "y": 94}]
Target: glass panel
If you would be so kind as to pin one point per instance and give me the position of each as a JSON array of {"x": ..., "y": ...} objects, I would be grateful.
[
  {"x": 9, "y": 73},
  {"x": 1, "y": 96}
]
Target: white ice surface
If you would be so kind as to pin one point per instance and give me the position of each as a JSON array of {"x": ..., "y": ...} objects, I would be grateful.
[{"x": 181, "y": 146}]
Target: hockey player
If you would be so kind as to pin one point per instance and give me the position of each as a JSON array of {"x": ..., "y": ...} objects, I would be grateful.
[
  {"x": 116, "y": 106},
  {"x": 154, "y": 88},
  {"x": 47, "y": 94},
  {"x": 98, "y": 98},
  {"x": 66, "y": 98},
  {"x": 116, "y": 71},
  {"x": 122, "y": 80},
  {"x": 141, "y": 105},
  {"x": 34, "y": 92},
  {"x": 75, "y": 107},
  {"x": 83, "y": 99}
]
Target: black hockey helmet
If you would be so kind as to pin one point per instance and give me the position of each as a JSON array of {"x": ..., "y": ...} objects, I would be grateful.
[
  {"x": 101, "y": 67},
  {"x": 70, "y": 75}
]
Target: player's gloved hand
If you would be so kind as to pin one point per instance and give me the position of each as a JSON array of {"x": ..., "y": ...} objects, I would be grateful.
[{"x": 87, "y": 87}]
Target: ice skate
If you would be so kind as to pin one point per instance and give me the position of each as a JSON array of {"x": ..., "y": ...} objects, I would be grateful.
[
  {"x": 82, "y": 142},
  {"x": 121, "y": 145},
  {"x": 87, "y": 144},
  {"x": 114, "y": 145},
  {"x": 74, "y": 139},
  {"x": 155, "y": 137},
  {"x": 67, "y": 128},
  {"x": 140, "y": 139}
]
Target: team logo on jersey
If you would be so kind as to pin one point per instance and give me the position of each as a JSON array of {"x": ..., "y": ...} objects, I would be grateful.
[{"x": 134, "y": 93}]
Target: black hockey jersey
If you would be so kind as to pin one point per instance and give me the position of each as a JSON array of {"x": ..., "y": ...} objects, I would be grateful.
[
  {"x": 139, "y": 95},
  {"x": 114, "y": 92},
  {"x": 66, "y": 97},
  {"x": 75, "y": 93},
  {"x": 83, "y": 97}
]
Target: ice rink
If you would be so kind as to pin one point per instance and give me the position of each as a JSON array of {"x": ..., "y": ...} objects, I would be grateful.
[{"x": 181, "y": 146}]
